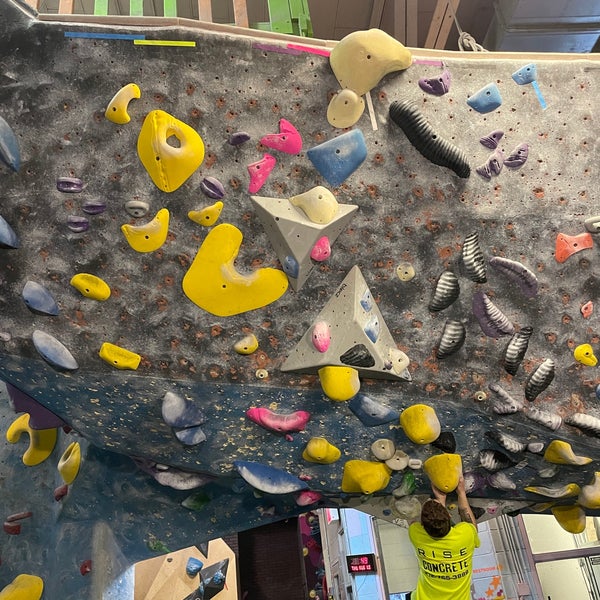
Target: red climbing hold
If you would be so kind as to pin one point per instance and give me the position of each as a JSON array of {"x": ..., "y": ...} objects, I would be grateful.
[
  {"x": 85, "y": 567},
  {"x": 567, "y": 245}
]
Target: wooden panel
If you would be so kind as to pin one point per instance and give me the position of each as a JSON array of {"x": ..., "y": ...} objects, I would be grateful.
[
  {"x": 376, "y": 13},
  {"x": 412, "y": 23},
  {"x": 240, "y": 13},
  {"x": 399, "y": 30},
  {"x": 33, "y": 3},
  {"x": 441, "y": 24},
  {"x": 65, "y": 7}
]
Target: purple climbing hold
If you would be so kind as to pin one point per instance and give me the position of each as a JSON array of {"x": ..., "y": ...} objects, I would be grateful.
[
  {"x": 39, "y": 416},
  {"x": 212, "y": 188},
  {"x": 238, "y": 138},
  {"x": 288, "y": 139},
  {"x": 78, "y": 224},
  {"x": 94, "y": 207},
  {"x": 492, "y": 140},
  {"x": 69, "y": 185},
  {"x": 438, "y": 86},
  {"x": 259, "y": 172},
  {"x": 517, "y": 157},
  {"x": 492, "y": 320}
]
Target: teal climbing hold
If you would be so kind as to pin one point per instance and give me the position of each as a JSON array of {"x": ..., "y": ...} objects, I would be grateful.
[
  {"x": 486, "y": 100},
  {"x": 338, "y": 158}
]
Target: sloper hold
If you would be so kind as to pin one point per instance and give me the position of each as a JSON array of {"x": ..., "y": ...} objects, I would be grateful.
[
  {"x": 23, "y": 587},
  {"x": 362, "y": 58},
  {"x": 370, "y": 412},
  {"x": 91, "y": 286},
  {"x": 318, "y": 204},
  {"x": 365, "y": 477},
  {"x": 9, "y": 146},
  {"x": 169, "y": 166},
  {"x": 485, "y": 100},
  {"x": 41, "y": 441},
  {"x": 268, "y": 479},
  {"x": 116, "y": 111},
  {"x": 53, "y": 352},
  {"x": 293, "y": 234},
  {"x": 38, "y": 299},
  {"x": 339, "y": 383},
  {"x": 345, "y": 109},
  {"x": 338, "y": 158},
  {"x": 444, "y": 471},
  {"x": 348, "y": 319},
  {"x": 319, "y": 450},
  {"x": 560, "y": 452},
  {"x": 526, "y": 74},
  {"x": 259, "y": 172},
  {"x": 213, "y": 283},
  {"x": 277, "y": 422},
  {"x": 420, "y": 424},
  {"x": 179, "y": 412},
  {"x": 570, "y": 518}
]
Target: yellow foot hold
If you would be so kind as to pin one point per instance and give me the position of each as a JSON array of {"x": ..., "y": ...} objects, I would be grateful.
[
  {"x": 318, "y": 204},
  {"x": 69, "y": 463},
  {"x": 319, "y": 450},
  {"x": 41, "y": 441},
  {"x": 584, "y": 354},
  {"x": 570, "y": 518},
  {"x": 118, "y": 357},
  {"x": 150, "y": 236},
  {"x": 207, "y": 216},
  {"x": 444, "y": 471},
  {"x": 168, "y": 165},
  {"x": 561, "y": 453},
  {"x": 213, "y": 283},
  {"x": 564, "y": 491},
  {"x": 23, "y": 587},
  {"x": 116, "y": 110},
  {"x": 339, "y": 383},
  {"x": 91, "y": 286},
  {"x": 365, "y": 477},
  {"x": 246, "y": 345},
  {"x": 345, "y": 108},
  {"x": 420, "y": 424}
]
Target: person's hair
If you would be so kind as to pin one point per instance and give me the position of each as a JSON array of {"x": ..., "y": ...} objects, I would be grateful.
[{"x": 435, "y": 519}]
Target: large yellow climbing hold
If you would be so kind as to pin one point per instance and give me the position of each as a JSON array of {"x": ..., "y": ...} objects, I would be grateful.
[
  {"x": 213, "y": 283},
  {"x": 169, "y": 149},
  {"x": 570, "y": 518},
  {"x": 23, "y": 587},
  {"x": 91, "y": 286},
  {"x": 564, "y": 491},
  {"x": 149, "y": 236},
  {"x": 319, "y": 450},
  {"x": 420, "y": 424},
  {"x": 561, "y": 453},
  {"x": 584, "y": 353},
  {"x": 118, "y": 357},
  {"x": 362, "y": 58},
  {"x": 41, "y": 441},
  {"x": 69, "y": 463},
  {"x": 589, "y": 496},
  {"x": 444, "y": 471},
  {"x": 339, "y": 383},
  {"x": 208, "y": 215},
  {"x": 116, "y": 111},
  {"x": 365, "y": 477}
]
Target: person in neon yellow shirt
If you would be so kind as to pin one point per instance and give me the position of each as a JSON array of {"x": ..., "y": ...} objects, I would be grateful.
[{"x": 444, "y": 551}]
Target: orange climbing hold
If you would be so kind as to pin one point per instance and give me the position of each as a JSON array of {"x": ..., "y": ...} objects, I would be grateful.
[{"x": 567, "y": 245}]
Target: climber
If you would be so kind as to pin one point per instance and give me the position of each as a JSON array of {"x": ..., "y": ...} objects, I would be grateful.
[{"x": 444, "y": 551}]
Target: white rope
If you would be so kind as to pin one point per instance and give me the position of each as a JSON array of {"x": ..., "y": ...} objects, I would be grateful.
[{"x": 466, "y": 42}]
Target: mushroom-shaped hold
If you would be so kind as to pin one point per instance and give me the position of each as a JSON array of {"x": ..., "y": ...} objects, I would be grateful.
[
  {"x": 339, "y": 383},
  {"x": 319, "y": 450},
  {"x": 561, "y": 453},
  {"x": 383, "y": 449},
  {"x": 365, "y": 477},
  {"x": 444, "y": 471},
  {"x": 420, "y": 423}
]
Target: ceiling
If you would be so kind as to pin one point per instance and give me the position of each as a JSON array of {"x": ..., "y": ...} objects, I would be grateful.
[{"x": 506, "y": 25}]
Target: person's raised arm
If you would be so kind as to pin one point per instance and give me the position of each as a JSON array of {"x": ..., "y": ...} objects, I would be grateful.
[{"x": 464, "y": 509}]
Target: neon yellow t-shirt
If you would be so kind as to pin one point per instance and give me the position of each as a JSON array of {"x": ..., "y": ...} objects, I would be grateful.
[{"x": 446, "y": 564}]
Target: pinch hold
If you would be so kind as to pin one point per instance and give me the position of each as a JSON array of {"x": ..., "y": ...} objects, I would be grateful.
[
  {"x": 259, "y": 172},
  {"x": 278, "y": 423},
  {"x": 288, "y": 139},
  {"x": 118, "y": 357},
  {"x": 116, "y": 111}
]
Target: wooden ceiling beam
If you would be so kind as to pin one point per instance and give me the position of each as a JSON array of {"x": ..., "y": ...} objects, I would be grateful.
[
  {"x": 205, "y": 10},
  {"x": 240, "y": 13},
  {"x": 376, "y": 14},
  {"x": 441, "y": 24}
]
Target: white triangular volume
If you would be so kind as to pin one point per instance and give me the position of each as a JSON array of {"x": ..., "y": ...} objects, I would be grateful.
[
  {"x": 293, "y": 235},
  {"x": 350, "y": 331}
]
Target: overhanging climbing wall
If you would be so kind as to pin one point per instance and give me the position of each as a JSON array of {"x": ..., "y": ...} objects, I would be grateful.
[{"x": 187, "y": 280}]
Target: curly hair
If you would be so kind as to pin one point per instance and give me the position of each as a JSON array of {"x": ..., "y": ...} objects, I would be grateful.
[{"x": 435, "y": 519}]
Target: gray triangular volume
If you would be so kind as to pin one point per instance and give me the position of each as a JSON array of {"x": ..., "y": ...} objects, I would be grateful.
[
  {"x": 293, "y": 235},
  {"x": 358, "y": 336}
]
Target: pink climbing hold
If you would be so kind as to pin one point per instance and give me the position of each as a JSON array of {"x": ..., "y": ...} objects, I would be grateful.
[
  {"x": 278, "y": 423},
  {"x": 288, "y": 139},
  {"x": 587, "y": 309},
  {"x": 321, "y": 250},
  {"x": 321, "y": 336},
  {"x": 308, "y": 497},
  {"x": 259, "y": 172}
]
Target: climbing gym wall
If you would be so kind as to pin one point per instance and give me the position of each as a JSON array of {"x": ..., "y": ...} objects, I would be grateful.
[{"x": 243, "y": 276}]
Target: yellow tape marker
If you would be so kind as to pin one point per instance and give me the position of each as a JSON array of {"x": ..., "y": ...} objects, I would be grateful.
[{"x": 163, "y": 43}]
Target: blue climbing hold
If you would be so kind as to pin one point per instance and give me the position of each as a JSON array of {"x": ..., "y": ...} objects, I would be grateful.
[
  {"x": 526, "y": 74},
  {"x": 8, "y": 238},
  {"x": 39, "y": 299},
  {"x": 291, "y": 267},
  {"x": 370, "y": 412},
  {"x": 193, "y": 566},
  {"x": 269, "y": 479},
  {"x": 53, "y": 351},
  {"x": 486, "y": 99},
  {"x": 190, "y": 436},
  {"x": 338, "y": 158},
  {"x": 9, "y": 146},
  {"x": 373, "y": 328}
]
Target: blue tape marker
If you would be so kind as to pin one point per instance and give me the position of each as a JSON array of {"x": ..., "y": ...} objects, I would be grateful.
[
  {"x": 538, "y": 93},
  {"x": 104, "y": 36}
]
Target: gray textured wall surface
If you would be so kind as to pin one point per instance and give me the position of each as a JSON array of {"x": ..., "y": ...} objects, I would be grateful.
[{"x": 53, "y": 92}]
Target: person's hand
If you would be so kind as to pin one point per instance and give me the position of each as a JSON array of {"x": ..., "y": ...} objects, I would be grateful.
[
  {"x": 439, "y": 495},
  {"x": 460, "y": 488}
]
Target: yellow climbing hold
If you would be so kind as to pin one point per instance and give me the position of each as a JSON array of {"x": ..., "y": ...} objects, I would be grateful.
[
  {"x": 41, "y": 441},
  {"x": 319, "y": 450},
  {"x": 561, "y": 453},
  {"x": 23, "y": 587},
  {"x": 345, "y": 108},
  {"x": 91, "y": 286},
  {"x": 339, "y": 383},
  {"x": 150, "y": 236},
  {"x": 118, "y": 357},
  {"x": 168, "y": 165},
  {"x": 247, "y": 345},
  {"x": 420, "y": 424},
  {"x": 116, "y": 110},
  {"x": 570, "y": 518},
  {"x": 444, "y": 471},
  {"x": 318, "y": 204},
  {"x": 589, "y": 496},
  {"x": 365, "y": 477},
  {"x": 69, "y": 463},
  {"x": 564, "y": 491},
  {"x": 207, "y": 216},
  {"x": 584, "y": 354},
  {"x": 362, "y": 58},
  {"x": 213, "y": 283}
]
